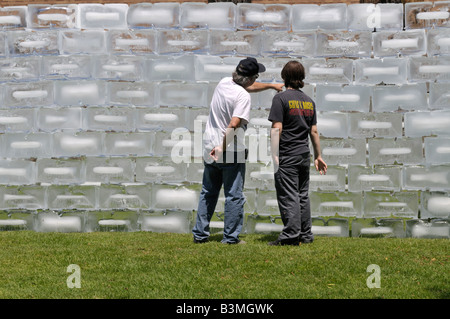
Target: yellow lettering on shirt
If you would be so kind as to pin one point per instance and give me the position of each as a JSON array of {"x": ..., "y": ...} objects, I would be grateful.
[
  {"x": 307, "y": 106},
  {"x": 293, "y": 104}
]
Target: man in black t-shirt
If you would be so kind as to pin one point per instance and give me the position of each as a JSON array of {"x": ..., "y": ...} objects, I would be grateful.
[{"x": 294, "y": 119}]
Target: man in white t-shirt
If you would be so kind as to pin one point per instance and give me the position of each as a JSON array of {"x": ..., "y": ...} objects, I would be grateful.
[{"x": 225, "y": 151}]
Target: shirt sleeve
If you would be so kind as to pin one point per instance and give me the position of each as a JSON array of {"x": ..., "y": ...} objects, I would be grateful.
[
  {"x": 242, "y": 107},
  {"x": 276, "y": 113}
]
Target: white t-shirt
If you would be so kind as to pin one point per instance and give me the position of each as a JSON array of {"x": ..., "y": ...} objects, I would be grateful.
[{"x": 229, "y": 100}]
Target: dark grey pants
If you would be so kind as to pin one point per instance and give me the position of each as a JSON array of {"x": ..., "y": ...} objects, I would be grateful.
[{"x": 292, "y": 185}]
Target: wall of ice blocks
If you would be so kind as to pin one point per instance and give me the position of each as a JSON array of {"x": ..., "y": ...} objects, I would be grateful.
[{"x": 99, "y": 103}]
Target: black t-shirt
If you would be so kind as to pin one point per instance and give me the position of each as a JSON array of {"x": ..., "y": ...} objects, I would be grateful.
[{"x": 297, "y": 112}]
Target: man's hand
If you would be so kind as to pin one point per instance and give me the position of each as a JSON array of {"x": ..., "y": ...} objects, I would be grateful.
[
  {"x": 321, "y": 166},
  {"x": 278, "y": 87},
  {"x": 216, "y": 153}
]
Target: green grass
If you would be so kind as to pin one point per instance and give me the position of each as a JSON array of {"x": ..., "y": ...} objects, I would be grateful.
[{"x": 169, "y": 266}]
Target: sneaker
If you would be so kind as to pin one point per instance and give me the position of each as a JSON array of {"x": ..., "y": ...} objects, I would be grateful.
[
  {"x": 279, "y": 242},
  {"x": 306, "y": 241},
  {"x": 200, "y": 241},
  {"x": 240, "y": 242}
]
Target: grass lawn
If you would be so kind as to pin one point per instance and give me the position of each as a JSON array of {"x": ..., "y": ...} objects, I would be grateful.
[{"x": 144, "y": 265}]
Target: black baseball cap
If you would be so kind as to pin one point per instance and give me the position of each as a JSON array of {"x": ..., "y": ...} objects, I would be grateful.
[{"x": 249, "y": 67}]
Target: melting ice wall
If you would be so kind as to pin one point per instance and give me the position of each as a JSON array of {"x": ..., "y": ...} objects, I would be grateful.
[{"x": 99, "y": 105}]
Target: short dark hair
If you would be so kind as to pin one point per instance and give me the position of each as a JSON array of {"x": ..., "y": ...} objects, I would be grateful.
[{"x": 293, "y": 74}]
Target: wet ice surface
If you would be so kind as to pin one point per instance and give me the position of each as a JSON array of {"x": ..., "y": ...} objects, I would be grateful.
[{"x": 99, "y": 104}]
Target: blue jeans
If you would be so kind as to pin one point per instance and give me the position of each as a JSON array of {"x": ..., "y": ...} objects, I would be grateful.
[{"x": 231, "y": 176}]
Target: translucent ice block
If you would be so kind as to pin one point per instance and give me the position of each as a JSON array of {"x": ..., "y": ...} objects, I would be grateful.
[
  {"x": 22, "y": 197},
  {"x": 118, "y": 119},
  {"x": 439, "y": 96},
  {"x": 333, "y": 180},
  {"x": 66, "y": 197},
  {"x": 37, "y": 42},
  {"x": 242, "y": 43},
  {"x": 17, "y": 120},
  {"x": 375, "y": 125},
  {"x": 17, "y": 172},
  {"x": 153, "y": 15},
  {"x": 361, "y": 16},
  {"x": 126, "y": 68},
  {"x": 409, "y": 42},
  {"x": 427, "y": 123},
  {"x": 168, "y": 68},
  {"x": 362, "y": 178},
  {"x": 343, "y": 151},
  {"x": 427, "y": 14},
  {"x": 436, "y": 177},
  {"x": 259, "y": 175},
  {"x": 295, "y": 44},
  {"x": 373, "y": 228},
  {"x": 267, "y": 203},
  {"x": 160, "y": 118},
  {"x": 138, "y": 42},
  {"x": 22, "y": 145},
  {"x": 14, "y": 17},
  {"x": 102, "y": 16},
  {"x": 219, "y": 15},
  {"x": 30, "y": 94},
  {"x": 437, "y": 150},
  {"x": 388, "y": 16},
  {"x": 344, "y": 204},
  {"x": 434, "y": 205},
  {"x": 391, "y": 151},
  {"x": 80, "y": 93},
  {"x": 333, "y": 71},
  {"x": 60, "y": 171},
  {"x": 332, "y": 124},
  {"x": 170, "y": 197},
  {"x": 214, "y": 68},
  {"x": 344, "y": 44},
  {"x": 167, "y": 222},
  {"x": 260, "y": 16},
  {"x": 109, "y": 170},
  {"x": 429, "y": 69},
  {"x": 436, "y": 228},
  {"x": 160, "y": 169},
  {"x": 40, "y": 16},
  {"x": 128, "y": 144},
  {"x": 182, "y": 41},
  {"x": 386, "y": 70},
  {"x": 397, "y": 204},
  {"x": 343, "y": 98},
  {"x": 404, "y": 97},
  {"x": 67, "y": 67},
  {"x": 3, "y": 45},
  {"x": 438, "y": 41},
  {"x": 326, "y": 16},
  {"x": 124, "y": 196},
  {"x": 182, "y": 94},
  {"x": 82, "y": 42},
  {"x": 77, "y": 144},
  {"x": 177, "y": 143},
  {"x": 131, "y": 93},
  {"x": 273, "y": 69},
  {"x": 51, "y": 222},
  {"x": 20, "y": 69},
  {"x": 59, "y": 119}
]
